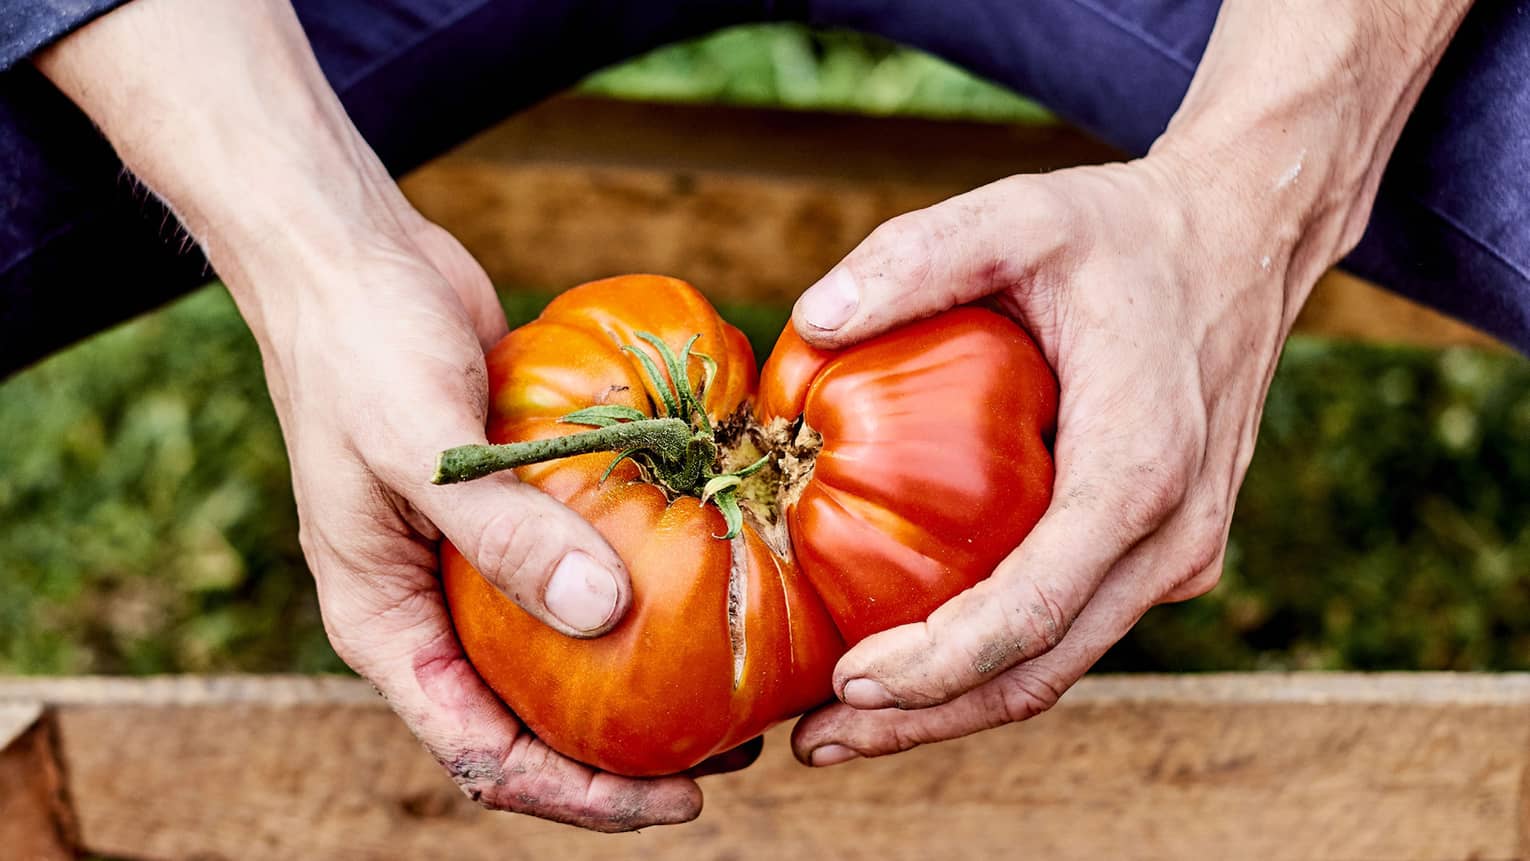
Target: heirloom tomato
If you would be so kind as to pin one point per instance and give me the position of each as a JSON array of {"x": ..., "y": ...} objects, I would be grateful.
[{"x": 766, "y": 527}]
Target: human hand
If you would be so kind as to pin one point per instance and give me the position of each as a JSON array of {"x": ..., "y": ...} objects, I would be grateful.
[
  {"x": 1161, "y": 291},
  {"x": 372, "y": 325},
  {"x": 370, "y": 386}
]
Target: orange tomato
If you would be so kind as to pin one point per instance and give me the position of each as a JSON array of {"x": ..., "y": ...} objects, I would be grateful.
[{"x": 885, "y": 479}]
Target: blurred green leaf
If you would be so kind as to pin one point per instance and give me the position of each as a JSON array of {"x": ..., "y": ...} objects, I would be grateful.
[{"x": 787, "y": 65}]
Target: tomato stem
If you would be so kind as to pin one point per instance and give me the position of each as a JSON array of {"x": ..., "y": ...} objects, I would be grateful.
[
  {"x": 678, "y": 452},
  {"x": 668, "y": 439}
]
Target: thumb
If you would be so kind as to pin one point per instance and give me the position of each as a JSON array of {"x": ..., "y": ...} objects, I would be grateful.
[
  {"x": 535, "y": 550},
  {"x": 926, "y": 261}
]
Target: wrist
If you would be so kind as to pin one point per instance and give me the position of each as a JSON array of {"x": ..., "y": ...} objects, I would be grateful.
[
  {"x": 1292, "y": 116},
  {"x": 290, "y": 225},
  {"x": 262, "y": 225},
  {"x": 1267, "y": 196},
  {"x": 265, "y": 171}
]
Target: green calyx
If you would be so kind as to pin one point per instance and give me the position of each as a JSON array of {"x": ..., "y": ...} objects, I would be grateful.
[{"x": 678, "y": 452}]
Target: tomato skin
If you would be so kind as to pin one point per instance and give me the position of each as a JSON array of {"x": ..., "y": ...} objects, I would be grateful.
[
  {"x": 933, "y": 466},
  {"x": 660, "y": 692},
  {"x": 934, "y": 463}
]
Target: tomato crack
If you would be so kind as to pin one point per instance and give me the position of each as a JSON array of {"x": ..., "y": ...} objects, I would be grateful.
[{"x": 738, "y": 597}]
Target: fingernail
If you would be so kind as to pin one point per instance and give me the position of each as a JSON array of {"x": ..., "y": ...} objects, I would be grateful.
[
  {"x": 866, "y": 694},
  {"x": 582, "y": 592},
  {"x": 831, "y": 754},
  {"x": 831, "y": 302}
]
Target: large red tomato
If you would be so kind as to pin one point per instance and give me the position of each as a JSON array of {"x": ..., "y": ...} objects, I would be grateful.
[{"x": 764, "y": 533}]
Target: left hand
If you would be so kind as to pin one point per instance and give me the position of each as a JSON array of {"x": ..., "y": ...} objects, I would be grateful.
[
  {"x": 1164, "y": 329},
  {"x": 1161, "y": 291}
]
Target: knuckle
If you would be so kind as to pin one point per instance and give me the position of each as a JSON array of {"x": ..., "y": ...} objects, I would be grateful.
[
  {"x": 1156, "y": 489},
  {"x": 621, "y": 810},
  {"x": 1043, "y": 617},
  {"x": 1054, "y": 229},
  {"x": 904, "y": 736},
  {"x": 380, "y": 605},
  {"x": 1201, "y": 552},
  {"x": 1201, "y": 579},
  {"x": 1198, "y": 584},
  {"x": 530, "y": 781},
  {"x": 1053, "y": 214},
  {"x": 478, "y": 774},
  {"x": 1026, "y": 693},
  {"x": 902, "y": 244},
  {"x": 931, "y": 688},
  {"x": 504, "y": 549},
  {"x": 900, "y": 234},
  {"x": 1029, "y": 627}
]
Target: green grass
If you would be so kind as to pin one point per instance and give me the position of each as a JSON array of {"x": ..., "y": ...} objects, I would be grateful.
[
  {"x": 147, "y": 522},
  {"x": 785, "y": 65}
]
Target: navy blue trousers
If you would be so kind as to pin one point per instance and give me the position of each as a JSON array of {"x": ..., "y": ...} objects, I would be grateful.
[{"x": 81, "y": 248}]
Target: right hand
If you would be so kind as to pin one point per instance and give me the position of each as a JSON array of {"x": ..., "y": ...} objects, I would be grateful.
[{"x": 372, "y": 325}]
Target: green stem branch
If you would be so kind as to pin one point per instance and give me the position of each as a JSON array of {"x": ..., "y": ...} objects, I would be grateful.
[{"x": 666, "y": 438}]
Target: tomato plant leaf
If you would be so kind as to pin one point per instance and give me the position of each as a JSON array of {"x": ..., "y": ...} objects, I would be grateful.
[
  {"x": 727, "y": 502},
  {"x": 671, "y": 408},
  {"x": 615, "y": 462},
  {"x": 679, "y": 376},
  {"x": 709, "y": 368},
  {"x": 717, "y": 485},
  {"x": 603, "y": 415}
]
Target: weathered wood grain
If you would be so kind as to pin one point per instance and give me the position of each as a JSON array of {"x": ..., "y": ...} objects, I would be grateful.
[
  {"x": 1263, "y": 766},
  {"x": 753, "y": 204}
]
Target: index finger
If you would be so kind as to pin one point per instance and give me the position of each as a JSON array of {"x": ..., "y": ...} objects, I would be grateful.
[
  {"x": 404, "y": 645},
  {"x": 1108, "y": 496}
]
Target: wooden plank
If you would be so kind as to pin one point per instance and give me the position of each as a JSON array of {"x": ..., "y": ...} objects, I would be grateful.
[
  {"x": 16, "y": 718},
  {"x": 1350, "y": 308},
  {"x": 34, "y": 820},
  {"x": 754, "y": 205},
  {"x": 683, "y": 138},
  {"x": 1264, "y": 766},
  {"x": 749, "y": 204}
]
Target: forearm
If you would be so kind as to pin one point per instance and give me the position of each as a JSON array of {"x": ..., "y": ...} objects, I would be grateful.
[
  {"x": 220, "y": 108},
  {"x": 1294, "y": 112}
]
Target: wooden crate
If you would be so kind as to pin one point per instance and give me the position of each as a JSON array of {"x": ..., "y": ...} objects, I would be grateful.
[{"x": 1277, "y": 766}]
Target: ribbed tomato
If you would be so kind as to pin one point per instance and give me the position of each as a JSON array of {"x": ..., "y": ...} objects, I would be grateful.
[
  {"x": 934, "y": 461},
  {"x": 860, "y": 490}
]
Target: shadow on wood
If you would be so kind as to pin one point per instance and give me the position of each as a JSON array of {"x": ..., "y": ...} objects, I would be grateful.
[{"x": 35, "y": 820}]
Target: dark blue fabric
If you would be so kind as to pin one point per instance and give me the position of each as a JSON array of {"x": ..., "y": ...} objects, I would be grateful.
[
  {"x": 29, "y": 25},
  {"x": 1451, "y": 226},
  {"x": 81, "y": 248}
]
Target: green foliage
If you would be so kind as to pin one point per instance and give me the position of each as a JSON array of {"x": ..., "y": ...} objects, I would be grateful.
[
  {"x": 146, "y": 519},
  {"x": 787, "y": 65},
  {"x": 147, "y": 522},
  {"x": 1385, "y": 522}
]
